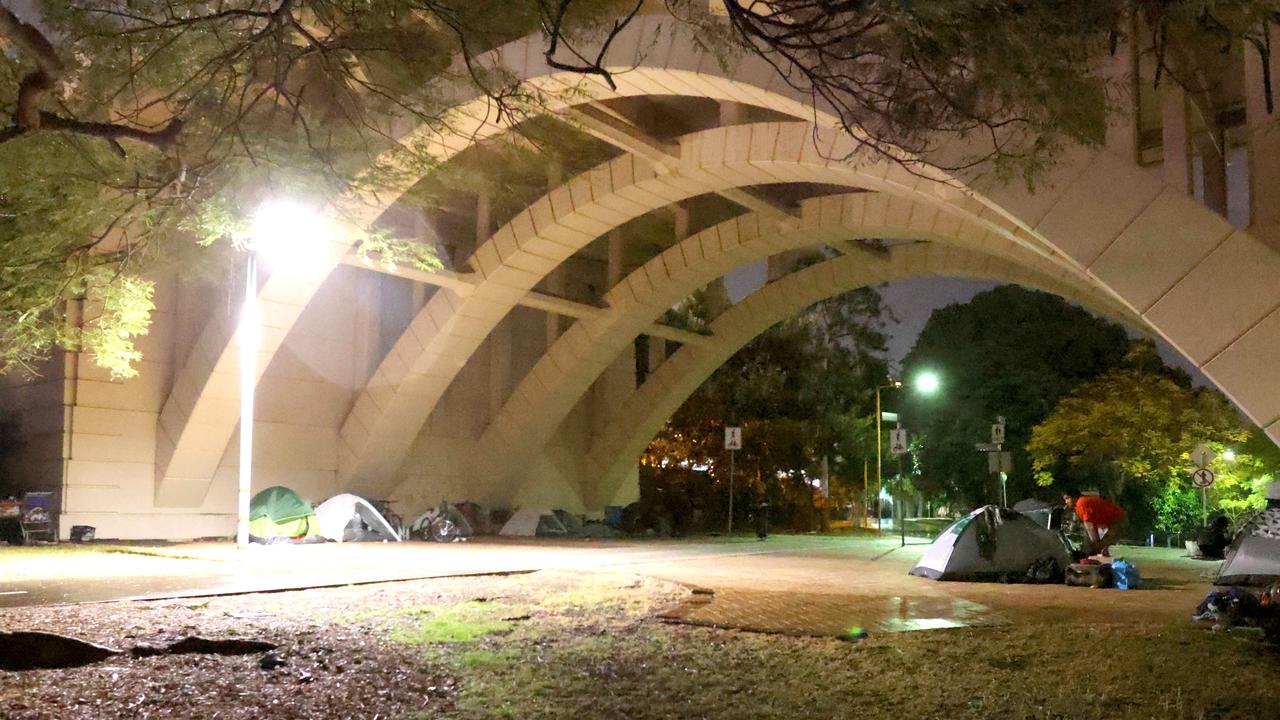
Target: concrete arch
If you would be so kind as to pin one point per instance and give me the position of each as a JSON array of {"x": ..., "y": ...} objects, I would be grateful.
[
  {"x": 551, "y": 389},
  {"x": 392, "y": 409},
  {"x": 653, "y": 56},
  {"x": 638, "y": 419},
  {"x": 1207, "y": 288}
]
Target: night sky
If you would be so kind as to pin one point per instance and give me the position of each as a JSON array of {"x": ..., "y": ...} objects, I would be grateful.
[{"x": 911, "y": 302}]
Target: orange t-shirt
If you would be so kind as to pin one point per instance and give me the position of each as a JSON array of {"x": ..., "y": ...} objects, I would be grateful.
[{"x": 1102, "y": 513}]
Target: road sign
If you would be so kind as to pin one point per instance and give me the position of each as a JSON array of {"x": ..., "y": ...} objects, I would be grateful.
[
  {"x": 997, "y": 432},
  {"x": 1202, "y": 456},
  {"x": 732, "y": 438},
  {"x": 898, "y": 440},
  {"x": 1000, "y": 462},
  {"x": 986, "y": 447},
  {"x": 1202, "y": 478}
]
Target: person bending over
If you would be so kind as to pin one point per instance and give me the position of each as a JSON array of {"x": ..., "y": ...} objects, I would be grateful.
[{"x": 1103, "y": 520}]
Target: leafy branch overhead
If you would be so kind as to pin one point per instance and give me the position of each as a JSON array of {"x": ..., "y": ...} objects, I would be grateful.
[
  {"x": 126, "y": 122},
  {"x": 119, "y": 122}
]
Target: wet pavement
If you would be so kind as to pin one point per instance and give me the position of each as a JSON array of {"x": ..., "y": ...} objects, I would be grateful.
[
  {"x": 75, "y": 574},
  {"x": 805, "y": 585}
]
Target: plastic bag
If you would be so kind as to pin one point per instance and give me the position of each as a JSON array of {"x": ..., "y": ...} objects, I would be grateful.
[{"x": 1125, "y": 576}]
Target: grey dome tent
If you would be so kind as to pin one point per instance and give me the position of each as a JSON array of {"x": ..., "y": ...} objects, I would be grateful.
[
  {"x": 993, "y": 543},
  {"x": 1253, "y": 557},
  {"x": 347, "y": 518},
  {"x": 1042, "y": 513}
]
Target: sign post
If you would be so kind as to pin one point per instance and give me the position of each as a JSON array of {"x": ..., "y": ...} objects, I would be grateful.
[
  {"x": 732, "y": 443},
  {"x": 898, "y": 446},
  {"x": 898, "y": 440},
  {"x": 1203, "y": 477}
]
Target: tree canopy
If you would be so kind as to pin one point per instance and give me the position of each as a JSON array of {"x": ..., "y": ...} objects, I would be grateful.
[
  {"x": 136, "y": 129},
  {"x": 1008, "y": 352},
  {"x": 1130, "y": 431},
  {"x": 801, "y": 390}
]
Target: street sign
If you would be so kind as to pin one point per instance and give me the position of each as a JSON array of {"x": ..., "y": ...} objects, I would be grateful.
[
  {"x": 1202, "y": 456},
  {"x": 898, "y": 440},
  {"x": 886, "y": 416},
  {"x": 997, "y": 432},
  {"x": 986, "y": 447},
  {"x": 1000, "y": 462},
  {"x": 1202, "y": 478},
  {"x": 732, "y": 438}
]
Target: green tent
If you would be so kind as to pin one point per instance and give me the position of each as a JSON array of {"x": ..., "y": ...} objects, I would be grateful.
[{"x": 278, "y": 514}]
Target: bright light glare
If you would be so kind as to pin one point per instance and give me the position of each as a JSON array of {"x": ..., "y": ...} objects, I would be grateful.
[
  {"x": 1229, "y": 455},
  {"x": 289, "y": 234},
  {"x": 928, "y": 382}
]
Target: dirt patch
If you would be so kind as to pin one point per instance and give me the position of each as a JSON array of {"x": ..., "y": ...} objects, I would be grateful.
[{"x": 321, "y": 668}]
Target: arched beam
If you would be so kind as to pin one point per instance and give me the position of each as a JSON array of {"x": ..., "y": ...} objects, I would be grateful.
[
  {"x": 1206, "y": 287},
  {"x": 555, "y": 385},
  {"x": 639, "y": 418},
  {"x": 404, "y": 390},
  {"x": 202, "y": 409}
]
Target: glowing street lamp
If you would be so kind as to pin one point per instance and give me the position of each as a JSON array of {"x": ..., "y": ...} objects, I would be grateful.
[
  {"x": 283, "y": 234},
  {"x": 1228, "y": 455},
  {"x": 926, "y": 383}
]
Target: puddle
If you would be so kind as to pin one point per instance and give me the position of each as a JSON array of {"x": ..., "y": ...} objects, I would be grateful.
[
  {"x": 908, "y": 614},
  {"x": 829, "y": 615}
]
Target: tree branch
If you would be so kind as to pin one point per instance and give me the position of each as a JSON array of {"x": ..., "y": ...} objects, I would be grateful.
[{"x": 162, "y": 139}]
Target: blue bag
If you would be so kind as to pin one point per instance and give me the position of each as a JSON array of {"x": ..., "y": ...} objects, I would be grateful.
[{"x": 1125, "y": 576}]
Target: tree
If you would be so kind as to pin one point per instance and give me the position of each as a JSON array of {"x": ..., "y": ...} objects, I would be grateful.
[
  {"x": 1014, "y": 80},
  {"x": 1008, "y": 352},
  {"x": 1137, "y": 423},
  {"x": 801, "y": 391},
  {"x": 1130, "y": 433},
  {"x": 137, "y": 128}
]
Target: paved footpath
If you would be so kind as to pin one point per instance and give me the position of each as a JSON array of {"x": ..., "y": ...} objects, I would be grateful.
[
  {"x": 807, "y": 585},
  {"x": 100, "y": 572}
]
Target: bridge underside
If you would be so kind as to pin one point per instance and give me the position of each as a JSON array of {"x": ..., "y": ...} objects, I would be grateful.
[{"x": 513, "y": 378}]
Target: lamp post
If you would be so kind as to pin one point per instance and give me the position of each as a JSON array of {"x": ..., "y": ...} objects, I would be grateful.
[
  {"x": 927, "y": 383},
  {"x": 894, "y": 384},
  {"x": 278, "y": 233}
]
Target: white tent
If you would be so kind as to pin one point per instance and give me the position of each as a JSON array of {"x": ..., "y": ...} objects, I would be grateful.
[
  {"x": 1254, "y": 555},
  {"x": 349, "y": 517},
  {"x": 529, "y": 521},
  {"x": 992, "y": 543}
]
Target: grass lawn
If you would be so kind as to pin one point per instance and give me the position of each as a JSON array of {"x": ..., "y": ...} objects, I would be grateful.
[{"x": 583, "y": 648}]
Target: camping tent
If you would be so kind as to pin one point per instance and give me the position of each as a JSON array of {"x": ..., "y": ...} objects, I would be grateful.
[
  {"x": 348, "y": 517},
  {"x": 1254, "y": 555},
  {"x": 533, "y": 521},
  {"x": 279, "y": 515},
  {"x": 992, "y": 543},
  {"x": 1045, "y": 514}
]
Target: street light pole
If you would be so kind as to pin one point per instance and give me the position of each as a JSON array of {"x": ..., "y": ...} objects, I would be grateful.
[
  {"x": 879, "y": 482},
  {"x": 283, "y": 234},
  {"x": 926, "y": 383},
  {"x": 879, "y": 441},
  {"x": 249, "y": 332}
]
